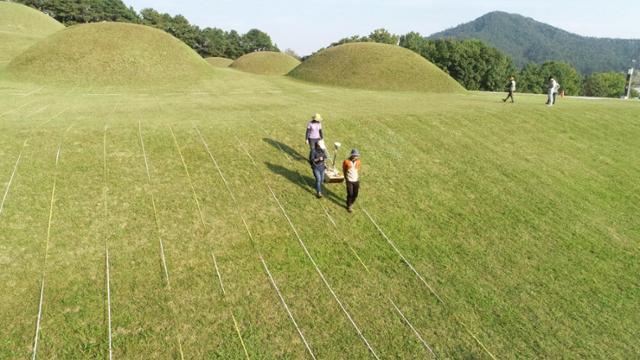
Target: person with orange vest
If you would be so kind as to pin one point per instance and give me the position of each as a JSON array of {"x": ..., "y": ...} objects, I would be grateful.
[{"x": 351, "y": 168}]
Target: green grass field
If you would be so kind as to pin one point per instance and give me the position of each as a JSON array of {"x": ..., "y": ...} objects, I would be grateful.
[{"x": 521, "y": 221}]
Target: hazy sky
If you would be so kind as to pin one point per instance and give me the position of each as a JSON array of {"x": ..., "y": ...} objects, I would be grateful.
[{"x": 307, "y": 25}]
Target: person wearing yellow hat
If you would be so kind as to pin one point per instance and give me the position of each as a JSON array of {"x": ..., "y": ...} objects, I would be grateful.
[{"x": 314, "y": 132}]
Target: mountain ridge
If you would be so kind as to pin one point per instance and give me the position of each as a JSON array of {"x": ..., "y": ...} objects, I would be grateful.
[{"x": 527, "y": 40}]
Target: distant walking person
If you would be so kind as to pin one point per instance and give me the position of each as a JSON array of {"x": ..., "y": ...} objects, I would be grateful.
[
  {"x": 314, "y": 132},
  {"x": 511, "y": 88},
  {"x": 551, "y": 89},
  {"x": 317, "y": 161},
  {"x": 555, "y": 92},
  {"x": 351, "y": 168}
]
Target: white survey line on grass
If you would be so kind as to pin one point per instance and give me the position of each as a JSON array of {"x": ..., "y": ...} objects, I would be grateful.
[
  {"x": 205, "y": 228},
  {"x": 105, "y": 220},
  {"x": 15, "y": 167},
  {"x": 253, "y": 241},
  {"x": 415, "y": 332},
  {"x": 153, "y": 203},
  {"x": 36, "y": 111},
  {"x": 195, "y": 198},
  {"x": 162, "y": 254},
  {"x": 235, "y": 325},
  {"x": 6, "y": 191},
  {"x": 404, "y": 318},
  {"x": 419, "y": 276},
  {"x": 46, "y": 255},
  {"x": 17, "y": 108},
  {"x": 32, "y": 92},
  {"x": 306, "y": 251}
]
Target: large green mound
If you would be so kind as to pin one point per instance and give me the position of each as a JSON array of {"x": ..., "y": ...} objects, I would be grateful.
[
  {"x": 21, "y": 27},
  {"x": 375, "y": 66},
  {"x": 219, "y": 61},
  {"x": 109, "y": 54},
  {"x": 266, "y": 63}
]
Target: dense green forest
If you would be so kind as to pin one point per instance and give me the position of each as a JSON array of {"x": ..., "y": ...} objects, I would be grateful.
[
  {"x": 207, "y": 42},
  {"x": 530, "y": 41}
]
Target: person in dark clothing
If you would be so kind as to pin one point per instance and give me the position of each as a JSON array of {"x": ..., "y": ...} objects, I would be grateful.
[
  {"x": 317, "y": 162},
  {"x": 511, "y": 88}
]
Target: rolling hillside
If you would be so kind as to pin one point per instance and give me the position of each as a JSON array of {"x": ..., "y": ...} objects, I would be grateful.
[{"x": 528, "y": 40}]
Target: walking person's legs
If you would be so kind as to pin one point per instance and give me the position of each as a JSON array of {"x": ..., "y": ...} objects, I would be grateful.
[
  {"x": 312, "y": 145},
  {"x": 352, "y": 194},
  {"x": 349, "y": 195},
  {"x": 550, "y": 98},
  {"x": 355, "y": 191},
  {"x": 319, "y": 175}
]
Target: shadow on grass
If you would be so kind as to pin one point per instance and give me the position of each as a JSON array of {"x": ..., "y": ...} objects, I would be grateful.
[
  {"x": 307, "y": 183},
  {"x": 286, "y": 149}
]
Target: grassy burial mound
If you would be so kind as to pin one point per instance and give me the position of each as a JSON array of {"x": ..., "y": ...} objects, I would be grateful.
[
  {"x": 21, "y": 27},
  {"x": 375, "y": 66},
  {"x": 266, "y": 63},
  {"x": 110, "y": 54},
  {"x": 219, "y": 61}
]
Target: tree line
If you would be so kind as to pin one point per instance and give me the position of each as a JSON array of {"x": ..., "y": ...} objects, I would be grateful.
[
  {"x": 473, "y": 63},
  {"x": 478, "y": 66},
  {"x": 206, "y": 42}
]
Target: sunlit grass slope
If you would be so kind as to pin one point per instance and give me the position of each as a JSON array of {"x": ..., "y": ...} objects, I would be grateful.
[
  {"x": 521, "y": 221},
  {"x": 376, "y": 67},
  {"x": 219, "y": 61},
  {"x": 266, "y": 63},
  {"x": 109, "y": 54},
  {"x": 21, "y": 27}
]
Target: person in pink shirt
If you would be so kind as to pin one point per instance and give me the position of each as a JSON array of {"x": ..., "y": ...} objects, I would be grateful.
[{"x": 314, "y": 132}]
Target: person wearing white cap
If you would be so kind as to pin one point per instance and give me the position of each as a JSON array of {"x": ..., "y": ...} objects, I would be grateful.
[
  {"x": 351, "y": 168},
  {"x": 314, "y": 132}
]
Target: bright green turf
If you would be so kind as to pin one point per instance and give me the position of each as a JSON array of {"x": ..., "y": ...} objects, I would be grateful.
[
  {"x": 375, "y": 66},
  {"x": 522, "y": 218},
  {"x": 109, "y": 54},
  {"x": 21, "y": 27},
  {"x": 266, "y": 63},
  {"x": 219, "y": 61}
]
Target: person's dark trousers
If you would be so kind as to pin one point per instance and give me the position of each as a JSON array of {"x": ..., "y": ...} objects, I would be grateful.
[
  {"x": 312, "y": 145},
  {"x": 318, "y": 173},
  {"x": 509, "y": 96},
  {"x": 555, "y": 95},
  {"x": 352, "y": 192}
]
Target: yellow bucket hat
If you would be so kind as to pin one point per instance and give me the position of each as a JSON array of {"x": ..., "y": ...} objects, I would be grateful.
[{"x": 317, "y": 117}]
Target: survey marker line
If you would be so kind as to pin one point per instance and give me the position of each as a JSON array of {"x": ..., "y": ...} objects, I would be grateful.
[
  {"x": 306, "y": 251},
  {"x": 419, "y": 276},
  {"x": 402, "y": 316},
  {"x": 205, "y": 228},
  {"x": 17, "y": 163},
  {"x": 169, "y": 290},
  {"x": 255, "y": 244},
  {"x": 34, "y": 353}
]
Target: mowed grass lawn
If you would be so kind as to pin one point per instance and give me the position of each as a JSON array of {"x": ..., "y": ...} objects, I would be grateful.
[{"x": 519, "y": 222}]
